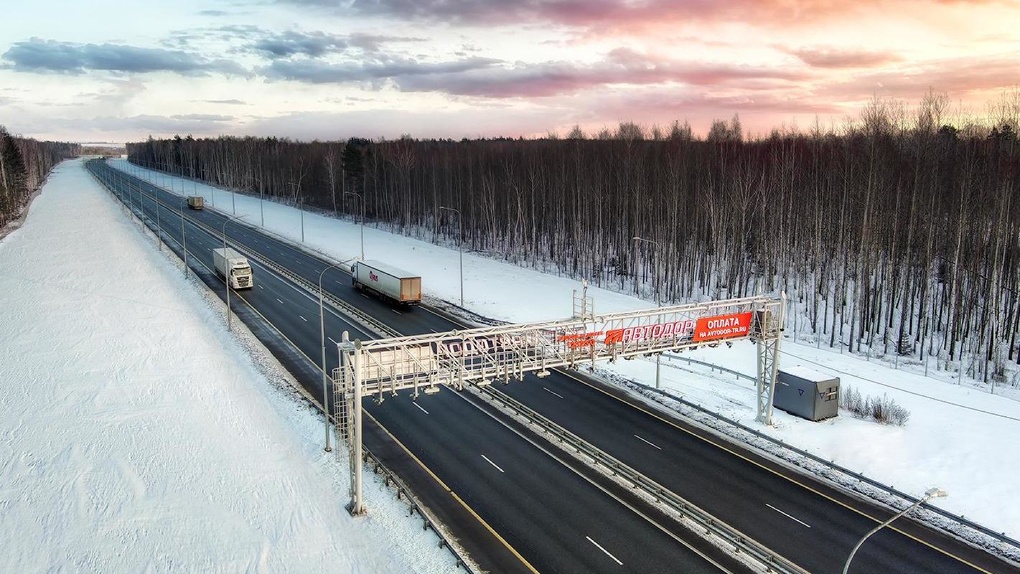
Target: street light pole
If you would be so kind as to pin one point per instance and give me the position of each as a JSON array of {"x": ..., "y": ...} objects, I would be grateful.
[
  {"x": 322, "y": 335},
  {"x": 226, "y": 274},
  {"x": 460, "y": 245},
  {"x": 928, "y": 495},
  {"x": 362, "y": 201},
  {"x": 184, "y": 240},
  {"x": 262, "y": 211},
  {"x": 658, "y": 303},
  {"x": 301, "y": 208}
]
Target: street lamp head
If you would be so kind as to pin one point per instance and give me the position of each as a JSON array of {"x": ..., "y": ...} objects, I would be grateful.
[{"x": 935, "y": 492}]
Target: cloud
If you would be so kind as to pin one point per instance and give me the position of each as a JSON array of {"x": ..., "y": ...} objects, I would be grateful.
[
  {"x": 51, "y": 56},
  {"x": 226, "y": 102},
  {"x": 620, "y": 67},
  {"x": 295, "y": 43},
  {"x": 588, "y": 13},
  {"x": 290, "y": 43},
  {"x": 843, "y": 58},
  {"x": 958, "y": 76},
  {"x": 322, "y": 72}
]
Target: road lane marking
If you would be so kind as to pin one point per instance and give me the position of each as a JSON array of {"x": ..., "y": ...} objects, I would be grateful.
[
  {"x": 302, "y": 318},
  {"x": 397, "y": 312},
  {"x": 599, "y": 546},
  {"x": 420, "y": 407},
  {"x": 787, "y": 515},
  {"x": 261, "y": 287},
  {"x": 548, "y": 391},
  {"x": 646, "y": 442},
  {"x": 331, "y": 339},
  {"x": 492, "y": 463},
  {"x": 278, "y": 299}
]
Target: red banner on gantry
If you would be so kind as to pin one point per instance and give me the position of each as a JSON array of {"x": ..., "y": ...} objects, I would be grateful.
[{"x": 722, "y": 327}]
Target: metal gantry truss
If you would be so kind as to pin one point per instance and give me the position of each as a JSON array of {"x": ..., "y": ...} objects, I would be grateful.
[{"x": 422, "y": 363}]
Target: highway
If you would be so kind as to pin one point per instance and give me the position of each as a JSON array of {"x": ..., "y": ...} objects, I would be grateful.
[{"x": 549, "y": 516}]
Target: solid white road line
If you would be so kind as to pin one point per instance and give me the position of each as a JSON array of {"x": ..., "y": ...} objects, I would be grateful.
[
  {"x": 331, "y": 339},
  {"x": 599, "y": 546},
  {"x": 787, "y": 515},
  {"x": 548, "y": 391},
  {"x": 646, "y": 442},
  {"x": 419, "y": 407},
  {"x": 492, "y": 463}
]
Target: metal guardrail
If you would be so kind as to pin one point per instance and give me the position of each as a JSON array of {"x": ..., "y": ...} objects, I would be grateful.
[
  {"x": 737, "y": 540},
  {"x": 997, "y": 542},
  {"x": 405, "y": 494}
]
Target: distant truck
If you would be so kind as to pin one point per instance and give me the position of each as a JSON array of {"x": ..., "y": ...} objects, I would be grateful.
[
  {"x": 386, "y": 281},
  {"x": 233, "y": 267},
  {"x": 196, "y": 202}
]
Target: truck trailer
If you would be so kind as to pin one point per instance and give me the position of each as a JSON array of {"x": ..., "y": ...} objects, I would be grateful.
[
  {"x": 233, "y": 267},
  {"x": 387, "y": 282},
  {"x": 196, "y": 202}
]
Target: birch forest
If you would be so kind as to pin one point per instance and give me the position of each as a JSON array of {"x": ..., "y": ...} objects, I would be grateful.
[
  {"x": 24, "y": 165},
  {"x": 894, "y": 233}
]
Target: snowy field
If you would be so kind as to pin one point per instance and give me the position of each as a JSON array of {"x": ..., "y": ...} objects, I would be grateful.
[
  {"x": 138, "y": 435},
  {"x": 113, "y": 454}
]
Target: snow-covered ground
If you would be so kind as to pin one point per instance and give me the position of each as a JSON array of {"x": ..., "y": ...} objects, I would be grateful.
[
  {"x": 114, "y": 455},
  {"x": 138, "y": 435}
]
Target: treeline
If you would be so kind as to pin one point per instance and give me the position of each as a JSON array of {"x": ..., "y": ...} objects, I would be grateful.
[
  {"x": 893, "y": 233},
  {"x": 24, "y": 165}
]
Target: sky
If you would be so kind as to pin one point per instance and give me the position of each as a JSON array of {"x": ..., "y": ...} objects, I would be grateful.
[
  {"x": 103, "y": 428},
  {"x": 116, "y": 71}
]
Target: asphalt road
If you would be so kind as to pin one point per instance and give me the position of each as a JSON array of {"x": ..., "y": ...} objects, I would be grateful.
[{"x": 555, "y": 518}]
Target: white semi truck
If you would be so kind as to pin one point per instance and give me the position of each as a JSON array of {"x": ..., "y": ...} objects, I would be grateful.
[
  {"x": 233, "y": 267},
  {"x": 387, "y": 281}
]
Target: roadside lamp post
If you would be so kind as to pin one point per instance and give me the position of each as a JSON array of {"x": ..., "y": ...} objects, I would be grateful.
[
  {"x": 362, "y": 201},
  {"x": 159, "y": 228},
  {"x": 928, "y": 495},
  {"x": 262, "y": 211},
  {"x": 322, "y": 335},
  {"x": 460, "y": 247},
  {"x": 301, "y": 208},
  {"x": 226, "y": 274},
  {"x": 205, "y": 179},
  {"x": 184, "y": 238},
  {"x": 658, "y": 303},
  {"x": 141, "y": 211},
  {"x": 233, "y": 200}
]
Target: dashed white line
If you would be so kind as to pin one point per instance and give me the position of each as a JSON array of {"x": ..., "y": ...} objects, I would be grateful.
[
  {"x": 551, "y": 392},
  {"x": 331, "y": 339},
  {"x": 261, "y": 287},
  {"x": 787, "y": 515},
  {"x": 303, "y": 319},
  {"x": 492, "y": 463},
  {"x": 646, "y": 442},
  {"x": 420, "y": 408},
  {"x": 278, "y": 299},
  {"x": 397, "y": 312},
  {"x": 599, "y": 546}
]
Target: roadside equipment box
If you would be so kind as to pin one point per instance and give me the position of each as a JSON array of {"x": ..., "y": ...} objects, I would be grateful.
[{"x": 806, "y": 393}]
